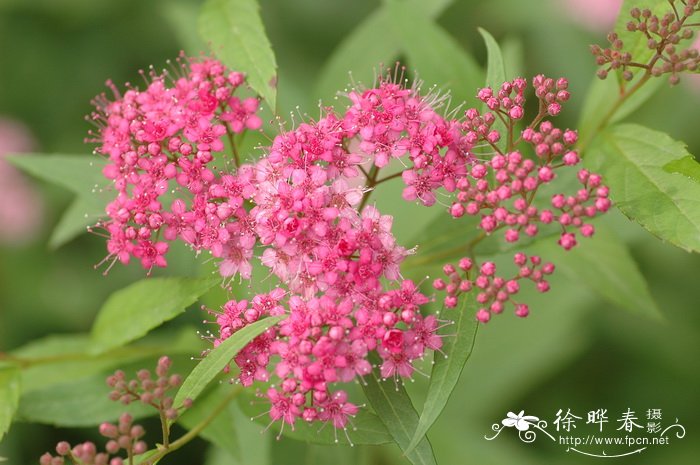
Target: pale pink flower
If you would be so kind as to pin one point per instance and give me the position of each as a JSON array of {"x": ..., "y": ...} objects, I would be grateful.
[{"x": 21, "y": 207}]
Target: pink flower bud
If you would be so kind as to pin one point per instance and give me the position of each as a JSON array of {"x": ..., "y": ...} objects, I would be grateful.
[
  {"x": 522, "y": 310},
  {"x": 483, "y": 316},
  {"x": 571, "y": 158}
]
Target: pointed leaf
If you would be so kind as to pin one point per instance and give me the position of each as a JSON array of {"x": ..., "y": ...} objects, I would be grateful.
[
  {"x": 495, "y": 68},
  {"x": 394, "y": 408},
  {"x": 83, "y": 212},
  {"x": 81, "y": 174},
  {"x": 495, "y": 72},
  {"x": 135, "y": 310},
  {"x": 219, "y": 357},
  {"x": 237, "y": 35},
  {"x": 631, "y": 159},
  {"x": 447, "y": 369},
  {"x": 9, "y": 396}
]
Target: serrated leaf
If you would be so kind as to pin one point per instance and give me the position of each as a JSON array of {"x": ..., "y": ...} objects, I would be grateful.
[
  {"x": 9, "y": 396},
  {"x": 393, "y": 406},
  {"x": 605, "y": 265},
  {"x": 237, "y": 35},
  {"x": 221, "y": 430},
  {"x": 447, "y": 369},
  {"x": 366, "y": 428},
  {"x": 219, "y": 357},
  {"x": 366, "y": 47},
  {"x": 434, "y": 54},
  {"x": 687, "y": 166},
  {"x": 138, "y": 308},
  {"x": 631, "y": 159}
]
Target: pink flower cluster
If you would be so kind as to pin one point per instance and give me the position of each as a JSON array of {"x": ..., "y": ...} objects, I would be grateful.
[
  {"x": 335, "y": 263},
  {"x": 302, "y": 210},
  {"x": 164, "y": 135},
  {"x": 501, "y": 189}
]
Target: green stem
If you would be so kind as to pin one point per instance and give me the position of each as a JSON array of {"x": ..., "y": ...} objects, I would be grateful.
[
  {"x": 371, "y": 182},
  {"x": 387, "y": 178},
  {"x": 236, "y": 157},
  {"x": 194, "y": 432},
  {"x": 165, "y": 427}
]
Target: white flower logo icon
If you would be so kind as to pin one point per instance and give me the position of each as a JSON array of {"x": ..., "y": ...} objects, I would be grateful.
[{"x": 520, "y": 421}]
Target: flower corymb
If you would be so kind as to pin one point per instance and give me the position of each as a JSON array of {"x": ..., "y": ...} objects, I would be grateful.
[{"x": 302, "y": 212}]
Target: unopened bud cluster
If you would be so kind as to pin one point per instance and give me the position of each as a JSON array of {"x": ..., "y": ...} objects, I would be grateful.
[
  {"x": 664, "y": 36},
  {"x": 148, "y": 389},
  {"x": 125, "y": 436},
  {"x": 493, "y": 291}
]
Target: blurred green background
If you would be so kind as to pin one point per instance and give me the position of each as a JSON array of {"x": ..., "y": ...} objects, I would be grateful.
[{"x": 575, "y": 351}]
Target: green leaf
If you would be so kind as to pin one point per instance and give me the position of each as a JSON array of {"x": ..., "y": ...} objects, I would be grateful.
[
  {"x": 448, "y": 368},
  {"x": 631, "y": 159},
  {"x": 367, "y": 428},
  {"x": 495, "y": 68},
  {"x": 221, "y": 431},
  {"x": 237, "y": 35},
  {"x": 687, "y": 166},
  {"x": 249, "y": 432},
  {"x": 605, "y": 265},
  {"x": 393, "y": 406},
  {"x": 434, "y": 54},
  {"x": 9, "y": 396},
  {"x": 366, "y": 47},
  {"x": 495, "y": 72},
  {"x": 81, "y": 402},
  {"x": 219, "y": 357},
  {"x": 80, "y": 214},
  {"x": 80, "y": 174},
  {"x": 54, "y": 359},
  {"x": 133, "y": 311},
  {"x": 513, "y": 57}
]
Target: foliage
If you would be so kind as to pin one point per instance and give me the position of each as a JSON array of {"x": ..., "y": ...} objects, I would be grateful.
[{"x": 653, "y": 180}]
